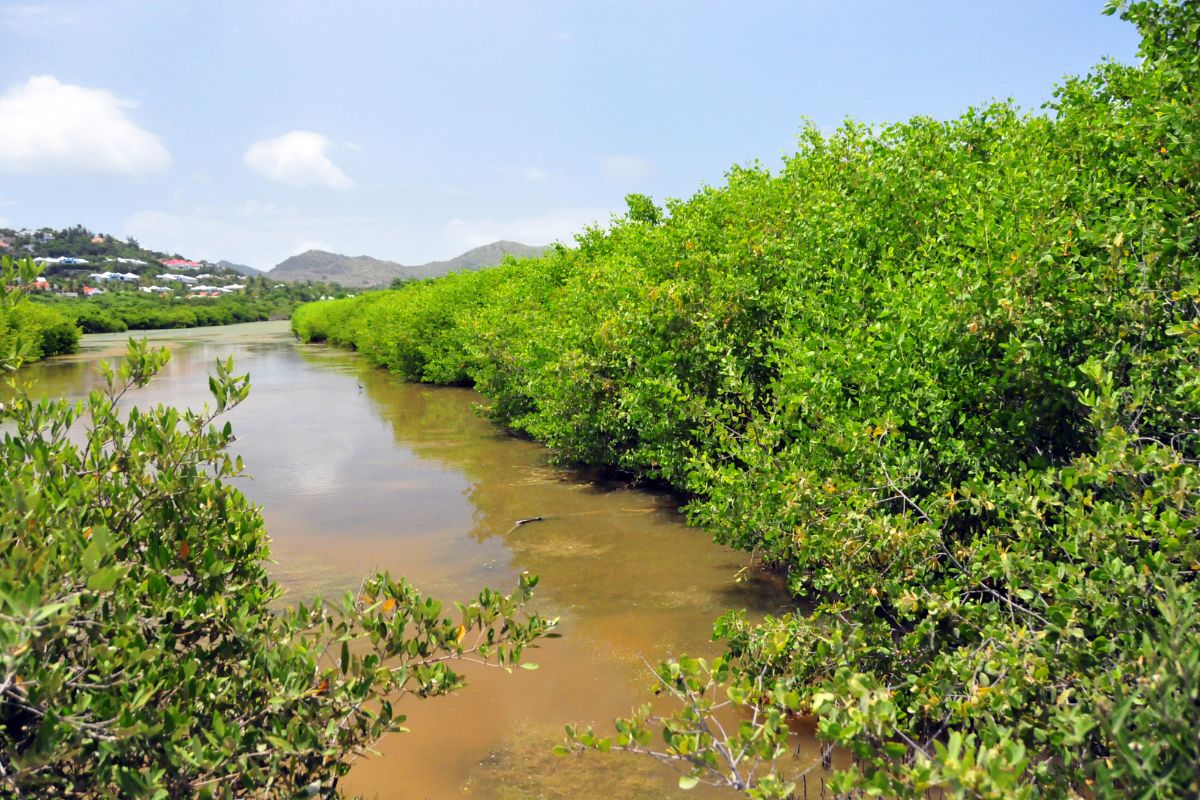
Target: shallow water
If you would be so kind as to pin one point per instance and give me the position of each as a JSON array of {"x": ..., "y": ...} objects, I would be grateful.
[{"x": 356, "y": 472}]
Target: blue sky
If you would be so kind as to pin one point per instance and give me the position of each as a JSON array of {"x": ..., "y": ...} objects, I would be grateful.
[{"x": 257, "y": 129}]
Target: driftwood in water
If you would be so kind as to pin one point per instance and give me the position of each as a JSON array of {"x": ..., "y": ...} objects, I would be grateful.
[{"x": 521, "y": 522}]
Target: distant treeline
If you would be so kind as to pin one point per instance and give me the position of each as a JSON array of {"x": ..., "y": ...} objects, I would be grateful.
[
  {"x": 947, "y": 376},
  {"x": 45, "y": 331},
  {"x": 127, "y": 309},
  {"x": 29, "y": 332},
  {"x": 51, "y": 324}
]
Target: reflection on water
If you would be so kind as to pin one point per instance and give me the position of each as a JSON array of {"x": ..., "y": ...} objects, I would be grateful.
[{"x": 356, "y": 471}]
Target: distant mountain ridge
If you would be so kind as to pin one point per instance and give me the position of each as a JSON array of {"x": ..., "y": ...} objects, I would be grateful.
[
  {"x": 249, "y": 272},
  {"x": 363, "y": 271}
]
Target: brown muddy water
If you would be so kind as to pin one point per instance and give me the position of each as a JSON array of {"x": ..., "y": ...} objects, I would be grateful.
[{"x": 356, "y": 472}]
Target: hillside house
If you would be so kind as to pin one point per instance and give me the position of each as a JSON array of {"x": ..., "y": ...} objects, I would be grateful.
[
  {"x": 128, "y": 277},
  {"x": 169, "y": 276},
  {"x": 181, "y": 263}
]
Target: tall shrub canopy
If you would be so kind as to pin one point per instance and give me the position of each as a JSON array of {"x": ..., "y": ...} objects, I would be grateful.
[{"x": 945, "y": 375}]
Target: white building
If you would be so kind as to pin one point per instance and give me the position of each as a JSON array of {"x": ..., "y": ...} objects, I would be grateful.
[
  {"x": 128, "y": 277},
  {"x": 170, "y": 276}
]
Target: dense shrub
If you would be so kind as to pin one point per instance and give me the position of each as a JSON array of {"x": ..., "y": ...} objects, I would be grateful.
[
  {"x": 947, "y": 376},
  {"x": 94, "y": 320},
  {"x": 37, "y": 331}
]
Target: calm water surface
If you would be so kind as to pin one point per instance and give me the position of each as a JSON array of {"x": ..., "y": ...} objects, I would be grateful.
[{"x": 356, "y": 471}]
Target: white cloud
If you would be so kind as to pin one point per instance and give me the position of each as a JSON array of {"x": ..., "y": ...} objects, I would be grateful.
[
  {"x": 534, "y": 173},
  {"x": 553, "y": 226},
  {"x": 297, "y": 159},
  {"x": 626, "y": 168},
  {"x": 49, "y": 126}
]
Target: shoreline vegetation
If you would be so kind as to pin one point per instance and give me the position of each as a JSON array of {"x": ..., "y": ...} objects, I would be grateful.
[
  {"x": 946, "y": 375},
  {"x": 119, "y": 311},
  {"x": 29, "y": 331},
  {"x": 76, "y": 281},
  {"x": 43, "y": 325}
]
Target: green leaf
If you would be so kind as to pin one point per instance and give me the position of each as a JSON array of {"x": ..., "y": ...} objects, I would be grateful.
[{"x": 104, "y": 579}]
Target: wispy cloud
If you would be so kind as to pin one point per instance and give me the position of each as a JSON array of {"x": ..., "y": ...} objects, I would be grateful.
[
  {"x": 529, "y": 172},
  {"x": 264, "y": 208},
  {"x": 626, "y": 168},
  {"x": 298, "y": 158},
  {"x": 257, "y": 233},
  {"x": 558, "y": 225},
  {"x": 534, "y": 173},
  {"x": 29, "y": 17},
  {"x": 49, "y": 126}
]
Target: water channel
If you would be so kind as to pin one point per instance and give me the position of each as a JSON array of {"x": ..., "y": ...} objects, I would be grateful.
[{"x": 356, "y": 471}]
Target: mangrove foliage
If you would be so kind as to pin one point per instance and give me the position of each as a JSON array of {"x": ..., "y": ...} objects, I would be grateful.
[{"x": 946, "y": 375}]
